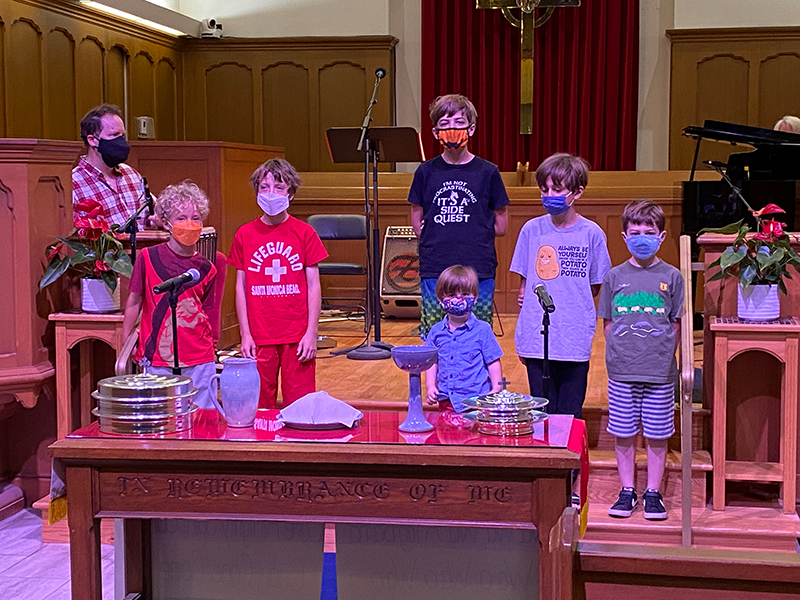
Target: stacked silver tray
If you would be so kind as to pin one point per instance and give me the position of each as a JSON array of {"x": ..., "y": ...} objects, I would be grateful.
[
  {"x": 506, "y": 413},
  {"x": 144, "y": 404}
]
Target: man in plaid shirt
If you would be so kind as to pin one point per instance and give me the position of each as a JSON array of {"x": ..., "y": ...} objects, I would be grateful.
[{"x": 101, "y": 174}]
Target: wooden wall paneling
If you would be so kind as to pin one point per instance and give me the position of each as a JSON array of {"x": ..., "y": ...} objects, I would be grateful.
[
  {"x": 166, "y": 114},
  {"x": 286, "y": 111},
  {"x": 26, "y": 96},
  {"x": 778, "y": 72},
  {"x": 337, "y": 81},
  {"x": 61, "y": 121},
  {"x": 89, "y": 75},
  {"x": 142, "y": 88},
  {"x": 57, "y": 83},
  {"x": 323, "y": 70},
  {"x": 229, "y": 102},
  {"x": 116, "y": 77},
  {"x": 749, "y": 76}
]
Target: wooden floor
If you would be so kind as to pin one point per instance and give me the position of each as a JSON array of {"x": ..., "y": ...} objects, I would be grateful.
[{"x": 382, "y": 380}]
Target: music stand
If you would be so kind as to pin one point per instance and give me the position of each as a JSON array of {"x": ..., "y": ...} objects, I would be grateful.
[{"x": 382, "y": 144}]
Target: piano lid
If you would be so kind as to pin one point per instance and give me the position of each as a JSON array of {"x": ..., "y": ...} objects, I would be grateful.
[{"x": 733, "y": 133}]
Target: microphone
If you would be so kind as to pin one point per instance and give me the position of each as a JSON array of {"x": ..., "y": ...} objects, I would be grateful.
[
  {"x": 544, "y": 298},
  {"x": 148, "y": 197},
  {"x": 191, "y": 276},
  {"x": 380, "y": 72},
  {"x": 715, "y": 164}
]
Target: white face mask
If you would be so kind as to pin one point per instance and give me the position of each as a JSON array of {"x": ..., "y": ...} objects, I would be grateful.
[{"x": 273, "y": 204}]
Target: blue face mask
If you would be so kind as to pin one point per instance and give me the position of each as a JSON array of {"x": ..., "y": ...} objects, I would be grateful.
[
  {"x": 555, "y": 205},
  {"x": 643, "y": 246},
  {"x": 458, "y": 307}
]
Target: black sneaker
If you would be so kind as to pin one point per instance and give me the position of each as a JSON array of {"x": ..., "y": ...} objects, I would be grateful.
[
  {"x": 654, "y": 509},
  {"x": 625, "y": 504}
]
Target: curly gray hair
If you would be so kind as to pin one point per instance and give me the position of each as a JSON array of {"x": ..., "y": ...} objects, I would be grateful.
[{"x": 181, "y": 194}]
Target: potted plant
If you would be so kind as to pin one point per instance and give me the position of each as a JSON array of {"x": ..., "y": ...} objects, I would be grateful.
[
  {"x": 92, "y": 250},
  {"x": 759, "y": 260}
]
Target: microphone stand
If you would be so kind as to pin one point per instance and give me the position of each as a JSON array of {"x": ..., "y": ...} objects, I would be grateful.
[
  {"x": 736, "y": 190},
  {"x": 131, "y": 227},
  {"x": 371, "y": 350},
  {"x": 173, "y": 305},
  {"x": 546, "y": 310}
]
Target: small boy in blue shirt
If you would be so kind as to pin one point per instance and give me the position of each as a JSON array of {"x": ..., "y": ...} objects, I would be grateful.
[{"x": 469, "y": 355}]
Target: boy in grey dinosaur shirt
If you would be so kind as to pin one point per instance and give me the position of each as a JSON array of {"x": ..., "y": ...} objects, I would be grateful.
[{"x": 640, "y": 305}]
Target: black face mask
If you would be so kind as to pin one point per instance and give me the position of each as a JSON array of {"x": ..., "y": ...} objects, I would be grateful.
[{"x": 114, "y": 151}]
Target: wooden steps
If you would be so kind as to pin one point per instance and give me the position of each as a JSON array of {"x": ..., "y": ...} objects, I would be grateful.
[
  {"x": 604, "y": 484},
  {"x": 737, "y": 527},
  {"x": 58, "y": 533}
]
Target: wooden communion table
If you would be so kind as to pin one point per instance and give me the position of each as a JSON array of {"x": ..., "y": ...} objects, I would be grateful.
[{"x": 373, "y": 473}]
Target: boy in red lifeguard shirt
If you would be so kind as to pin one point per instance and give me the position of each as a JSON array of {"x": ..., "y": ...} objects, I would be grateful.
[
  {"x": 182, "y": 209},
  {"x": 278, "y": 296}
]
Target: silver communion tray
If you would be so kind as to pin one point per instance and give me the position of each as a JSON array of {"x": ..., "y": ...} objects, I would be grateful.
[
  {"x": 144, "y": 404},
  {"x": 506, "y": 413}
]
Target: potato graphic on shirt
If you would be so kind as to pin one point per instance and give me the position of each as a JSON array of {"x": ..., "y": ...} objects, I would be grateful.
[{"x": 547, "y": 263}]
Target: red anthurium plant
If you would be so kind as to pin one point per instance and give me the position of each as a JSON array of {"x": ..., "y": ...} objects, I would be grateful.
[
  {"x": 91, "y": 249},
  {"x": 759, "y": 258}
]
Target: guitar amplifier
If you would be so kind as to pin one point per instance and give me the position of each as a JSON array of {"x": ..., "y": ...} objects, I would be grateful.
[{"x": 400, "y": 284}]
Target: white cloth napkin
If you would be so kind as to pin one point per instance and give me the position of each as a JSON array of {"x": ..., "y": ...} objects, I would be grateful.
[{"x": 320, "y": 408}]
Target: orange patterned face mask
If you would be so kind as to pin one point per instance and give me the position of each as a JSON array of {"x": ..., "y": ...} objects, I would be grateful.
[{"x": 453, "y": 139}]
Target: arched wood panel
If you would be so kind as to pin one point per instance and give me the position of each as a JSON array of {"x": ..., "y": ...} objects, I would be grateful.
[
  {"x": 166, "y": 101},
  {"x": 779, "y": 88},
  {"x": 89, "y": 75},
  {"x": 337, "y": 81},
  {"x": 287, "y": 115},
  {"x": 25, "y": 97},
  {"x": 748, "y": 76},
  {"x": 229, "y": 115},
  {"x": 116, "y": 74},
  {"x": 61, "y": 122},
  {"x": 142, "y": 88}
]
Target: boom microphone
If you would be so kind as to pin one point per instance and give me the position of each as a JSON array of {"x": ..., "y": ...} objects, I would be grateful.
[
  {"x": 191, "y": 276},
  {"x": 716, "y": 164},
  {"x": 148, "y": 197},
  {"x": 380, "y": 72},
  {"x": 544, "y": 298}
]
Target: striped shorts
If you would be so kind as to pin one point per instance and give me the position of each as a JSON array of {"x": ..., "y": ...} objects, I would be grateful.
[{"x": 651, "y": 404}]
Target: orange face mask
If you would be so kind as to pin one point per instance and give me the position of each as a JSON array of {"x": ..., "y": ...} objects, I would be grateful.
[
  {"x": 187, "y": 232},
  {"x": 453, "y": 139}
]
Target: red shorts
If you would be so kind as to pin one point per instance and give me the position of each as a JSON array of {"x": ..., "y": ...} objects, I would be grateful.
[{"x": 297, "y": 378}]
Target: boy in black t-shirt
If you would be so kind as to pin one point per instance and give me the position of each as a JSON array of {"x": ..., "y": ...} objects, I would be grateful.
[{"x": 458, "y": 206}]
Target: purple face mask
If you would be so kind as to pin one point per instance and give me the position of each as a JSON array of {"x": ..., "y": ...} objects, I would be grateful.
[{"x": 458, "y": 307}]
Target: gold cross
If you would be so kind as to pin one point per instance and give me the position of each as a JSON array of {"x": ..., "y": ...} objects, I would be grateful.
[{"x": 526, "y": 25}]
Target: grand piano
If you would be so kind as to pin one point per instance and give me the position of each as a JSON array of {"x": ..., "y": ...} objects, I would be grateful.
[{"x": 770, "y": 172}]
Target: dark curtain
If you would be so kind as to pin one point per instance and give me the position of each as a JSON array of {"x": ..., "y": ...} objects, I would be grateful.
[{"x": 586, "y": 80}]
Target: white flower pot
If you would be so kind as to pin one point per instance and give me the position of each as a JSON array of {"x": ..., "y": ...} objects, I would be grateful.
[
  {"x": 759, "y": 303},
  {"x": 97, "y": 297}
]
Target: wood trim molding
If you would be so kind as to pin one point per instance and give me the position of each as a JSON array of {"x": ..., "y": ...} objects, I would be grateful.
[
  {"x": 363, "y": 42},
  {"x": 83, "y": 13},
  {"x": 717, "y": 34}
]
